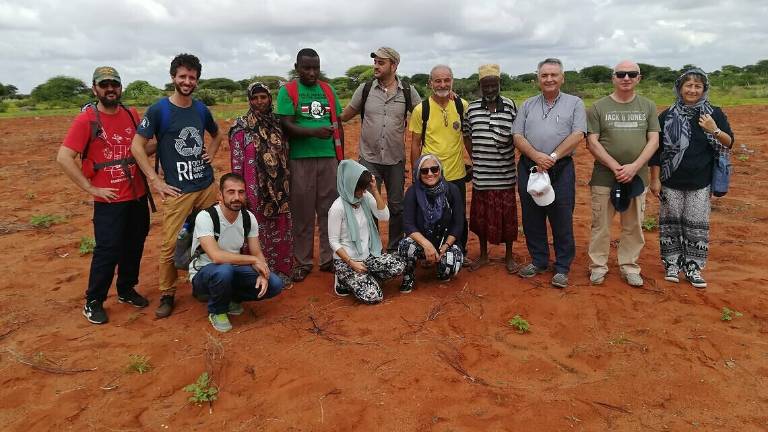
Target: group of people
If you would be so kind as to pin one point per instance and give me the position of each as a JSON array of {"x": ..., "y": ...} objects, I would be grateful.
[{"x": 289, "y": 173}]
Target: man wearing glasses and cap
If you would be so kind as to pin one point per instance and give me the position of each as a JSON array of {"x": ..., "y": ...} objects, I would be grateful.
[
  {"x": 383, "y": 105},
  {"x": 623, "y": 135},
  {"x": 547, "y": 129},
  {"x": 101, "y": 134}
]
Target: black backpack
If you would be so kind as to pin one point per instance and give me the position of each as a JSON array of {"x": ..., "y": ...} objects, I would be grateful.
[
  {"x": 183, "y": 255},
  {"x": 425, "y": 116},
  {"x": 406, "y": 92}
]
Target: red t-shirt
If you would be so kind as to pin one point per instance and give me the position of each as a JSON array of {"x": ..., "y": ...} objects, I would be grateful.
[{"x": 113, "y": 143}]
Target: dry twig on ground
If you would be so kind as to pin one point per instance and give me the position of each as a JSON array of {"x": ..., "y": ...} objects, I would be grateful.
[{"x": 39, "y": 365}]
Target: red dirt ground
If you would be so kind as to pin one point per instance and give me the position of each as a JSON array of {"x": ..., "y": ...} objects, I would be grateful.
[{"x": 442, "y": 358}]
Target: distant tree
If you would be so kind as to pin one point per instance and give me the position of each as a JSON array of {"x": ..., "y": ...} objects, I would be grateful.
[
  {"x": 271, "y": 81},
  {"x": 359, "y": 73},
  {"x": 527, "y": 77},
  {"x": 7, "y": 90},
  {"x": 573, "y": 77},
  {"x": 142, "y": 93},
  {"x": 506, "y": 82},
  {"x": 292, "y": 75},
  {"x": 219, "y": 84},
  {"x": 169, "y": 87},
  {"x": 421, "y": 79},
  {"x": 61, "y": 88},
  {"x": 730, "y": 69},
  {"x": 596, "y": 74}
]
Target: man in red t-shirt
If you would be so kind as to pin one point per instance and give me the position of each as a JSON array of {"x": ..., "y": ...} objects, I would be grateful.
[{"x": 101, "y": 134}]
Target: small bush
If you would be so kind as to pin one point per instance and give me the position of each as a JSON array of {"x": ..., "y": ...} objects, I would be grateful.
[
  {"x": 87, "y": 245},
  {"x": 45, "y": 220},
  {"x": 729, "y": 314},
  {"x": 519, "y": 324},
  {"x": 202, "y": 390},
  {"x": 139, "y": 364},
  {"x": 650, "y": 224}
]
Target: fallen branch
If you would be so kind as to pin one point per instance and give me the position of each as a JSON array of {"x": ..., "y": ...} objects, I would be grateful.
[
  {"x": 612, "y": 407},
  {"x": 41, "y": 367},
  {"x": 320, "y": 399},
  {"x": 454, "y": 363}
]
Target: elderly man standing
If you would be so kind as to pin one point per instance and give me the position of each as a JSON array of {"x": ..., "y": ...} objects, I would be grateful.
[
  {"x": 623, "y": 135},
  {"x": 436, "y": 129},
  {"x": 488, "y": 129},
  {"x": 383, "y": 105},
  {"x": 547, "y": 129}
]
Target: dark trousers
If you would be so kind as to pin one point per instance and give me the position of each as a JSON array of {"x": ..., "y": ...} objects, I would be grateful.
[
  {"x": 559, "y": 213},
  {"x": 120, "y": 230},
  {"x": 462, "y": 185},
  {"x": 393, "y": 177},
  {"x": 224, "y": 283}
]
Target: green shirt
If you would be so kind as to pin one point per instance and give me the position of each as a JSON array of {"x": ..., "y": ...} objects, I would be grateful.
[
  {"x": 623, "y": 129},
  {"x": 313, "y": 111}
]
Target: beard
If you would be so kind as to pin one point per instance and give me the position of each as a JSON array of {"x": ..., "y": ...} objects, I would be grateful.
[
  {"x": 181, "y": 92},
  {"x": 490, "y": 98},
  {"x": 443, "y": 93},
  {"x": 109, "y": 103},
  {"x": 234, "y": 205}
]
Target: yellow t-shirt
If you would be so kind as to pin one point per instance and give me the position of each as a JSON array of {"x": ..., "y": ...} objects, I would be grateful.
[{"x": 445, "y": 142}]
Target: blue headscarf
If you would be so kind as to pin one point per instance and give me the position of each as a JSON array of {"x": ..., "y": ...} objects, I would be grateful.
[
  {"x": 347, "y": 176},
  {"x": 432, "y": 200}
]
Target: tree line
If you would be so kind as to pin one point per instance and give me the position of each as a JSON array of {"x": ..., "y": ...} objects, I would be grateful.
[{"x": 64, "y": 91}]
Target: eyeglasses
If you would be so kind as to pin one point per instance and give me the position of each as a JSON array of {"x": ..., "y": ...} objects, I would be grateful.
[
  {"x": 109, "y": 83},
  {"x": 622, "y": 74},
  {"x": 426, "y": 170}
]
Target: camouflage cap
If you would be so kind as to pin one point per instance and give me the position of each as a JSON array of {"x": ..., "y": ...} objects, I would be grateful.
[
  {"x": 387, "y": 53},
  {"x": 103, "y": 73}
]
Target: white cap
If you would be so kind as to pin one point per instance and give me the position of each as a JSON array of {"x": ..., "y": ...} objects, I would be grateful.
[{"x": 540, "y": 188}]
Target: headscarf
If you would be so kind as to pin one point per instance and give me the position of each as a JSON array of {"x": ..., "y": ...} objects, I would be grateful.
[
  {"x": 432, "y": 200},
  {"x": 347, "y": 176},
  {"x": 677, "y": 126},
  {"x": 262, "y": 130}
]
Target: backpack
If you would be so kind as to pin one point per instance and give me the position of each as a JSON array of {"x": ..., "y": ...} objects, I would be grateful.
[
  {"x": 183, "y": 255},
  {"x": 292, "y": 87},
  {"x": 96, "y": 129},
  {"x": 425, "y": 115},
  {"x": 406, "y": 92},
  {"x": 165, "y": 121}
]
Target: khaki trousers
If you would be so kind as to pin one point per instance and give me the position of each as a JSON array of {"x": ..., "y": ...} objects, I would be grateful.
[
  {"x": 631, "y": 240},
  {"x": 175, "y": 212}
]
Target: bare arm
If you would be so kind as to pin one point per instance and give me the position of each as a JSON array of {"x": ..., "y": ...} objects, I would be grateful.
[
  {"x": 627, "y": 172},
  {"x": 213, "y": 148},
  {"x": 138, "y": 150},
  {"x": 542, "y": 160},
  {"x": 468, "y": 145},
  {"x": 599, "y": 152},
  {"x": 569, "y": 143},
  {"x": 415, "y": 149},
  {"x": 348, "y": 113},
  {"x": 655, "y": 180},
  {"x": 66, "y": 159}
]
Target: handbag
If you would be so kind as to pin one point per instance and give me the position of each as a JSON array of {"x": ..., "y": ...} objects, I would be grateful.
[{"x": 721, "y": 174}]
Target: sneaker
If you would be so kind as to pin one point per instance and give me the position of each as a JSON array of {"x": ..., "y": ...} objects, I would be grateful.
[
  {"x": 530, "y": 270},
  {"x": 633, "y": 279},
  {"x": 560, "y": 280},
  {"x": 220, "y": 322},
  {"x": 94, "y": 312},
  {"x": 694, "y": 277},
  {"x": 235, "y": 309},
  {"x": 596, "y": 278},
  {"x": 133, "y": 298},
  {"x": 166, "y": 306},
  {"x": 407, "y": 285},
  {"x": 672, "y": 274},
  {"x": 340, "y": 290}
]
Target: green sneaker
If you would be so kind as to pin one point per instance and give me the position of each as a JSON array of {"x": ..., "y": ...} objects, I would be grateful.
[
  {"x": 235, "y": 309},
  {"x": 220, "y": 322}
]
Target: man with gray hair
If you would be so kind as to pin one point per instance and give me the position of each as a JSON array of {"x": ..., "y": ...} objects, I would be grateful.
[
  {"x": 546, "y": 131},
  {"x": 436, "y": 129},
  {"x": 383, "y": 105}
]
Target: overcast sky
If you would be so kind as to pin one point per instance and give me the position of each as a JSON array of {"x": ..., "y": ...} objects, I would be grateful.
[{"x": 238, "y": 39}]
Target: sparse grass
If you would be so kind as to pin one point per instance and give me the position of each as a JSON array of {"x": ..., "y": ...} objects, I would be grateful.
[
  {"x": 650, "y": 224},
  {"x": 742, "y": 157},
  {"x": 519, "y": 324},
  {"x": 728, "y": 314},
  {"x": 202, "y": 390},
  {"x": 139, "y": 364},
  {"x": 46, "y": 220},
  {"x": 87, "y": 245},
  {"x": 619, "y": 340}
]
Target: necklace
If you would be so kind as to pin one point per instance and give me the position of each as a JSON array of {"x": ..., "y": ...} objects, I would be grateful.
[{"x": 545, "y": 114}]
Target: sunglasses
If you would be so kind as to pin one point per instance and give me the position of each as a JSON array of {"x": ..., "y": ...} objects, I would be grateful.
[
  {"x": 622, "y": 74},
  {"x": 426, "y": 170},
  {"x": 109, "y": 83}
]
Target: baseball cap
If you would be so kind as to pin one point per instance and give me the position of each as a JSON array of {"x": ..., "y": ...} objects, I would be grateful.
[
  {"x": 103, "y": 73},
  {"x": 540, "y": 188},
  {"x": 387, "y": 53},
  {"x": 622, "y": 193}
]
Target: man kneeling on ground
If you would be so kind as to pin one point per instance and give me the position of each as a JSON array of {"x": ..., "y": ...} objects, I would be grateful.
[{"x": 225, "y": 268}]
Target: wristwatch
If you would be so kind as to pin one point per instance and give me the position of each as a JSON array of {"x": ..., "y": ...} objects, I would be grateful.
[
  {"x": 553, "y": 155},
  {"x": 716, "y": 132}
]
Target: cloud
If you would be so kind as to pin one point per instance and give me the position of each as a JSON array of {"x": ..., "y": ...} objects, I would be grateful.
[{"x": 44, "y": 38}]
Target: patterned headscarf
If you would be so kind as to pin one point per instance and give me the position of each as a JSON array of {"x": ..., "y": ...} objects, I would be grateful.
[
  {"x": 262, "y": 130},
  {"x": 432, "y": 200},
  {"x": 347, "y": 176},
  {"x": 677, "y": 126}
]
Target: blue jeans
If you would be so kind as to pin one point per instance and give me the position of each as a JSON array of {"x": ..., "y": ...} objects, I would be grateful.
[
  {"x": 559, "y": 213},
  {"x": 224, "y": 283}
]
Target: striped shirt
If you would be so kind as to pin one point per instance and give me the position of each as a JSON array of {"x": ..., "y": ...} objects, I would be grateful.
[{"x": 493, "y": 154}]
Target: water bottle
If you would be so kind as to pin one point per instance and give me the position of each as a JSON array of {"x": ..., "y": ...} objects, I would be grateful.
[{"x": 183, "y": 232}]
